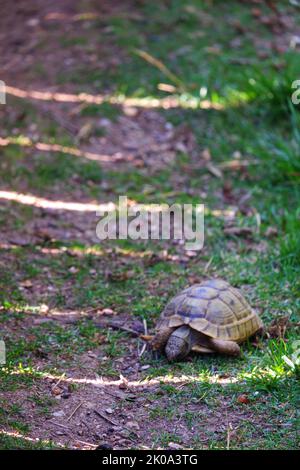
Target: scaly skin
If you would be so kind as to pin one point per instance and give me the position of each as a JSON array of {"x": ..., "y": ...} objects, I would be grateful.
[
  {"x": 182, "y": 340},
  {"x": 160, "y": 340}
]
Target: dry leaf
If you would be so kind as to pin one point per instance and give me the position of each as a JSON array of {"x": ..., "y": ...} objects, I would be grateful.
[
  {"x": 173, "y": 445},
  {"x": 278, "y": 327},
  {"x": 27, "y": 283},
  {"x": 239, "y": 231},
  {"x": 215, "y": 171},
  {"x": 271, "y": 232},
  {"x": 85, "y": 131}
]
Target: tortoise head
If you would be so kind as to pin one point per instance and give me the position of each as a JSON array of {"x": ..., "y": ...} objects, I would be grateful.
[{"x": 179, "y": 344}]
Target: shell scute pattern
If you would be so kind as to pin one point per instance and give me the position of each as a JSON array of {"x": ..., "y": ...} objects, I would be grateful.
[
  {"x": 216, "y": 284},
  {"x": 219, "y": 313},
  {"x": 213, "y": 308},
  {"x": 203, "y": 292}
]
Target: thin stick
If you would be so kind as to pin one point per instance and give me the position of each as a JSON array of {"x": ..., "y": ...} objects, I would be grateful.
[
  {"x": 60, "y": 379},
  {"x": 160, "y": 66},
  {"x": 77, "y": 408},
  {"x": 229, "y": 429},
  {"x": 87, "y": 443},
  {"x": 58, "y": 424},
  {"x": 111, "y": 421}
]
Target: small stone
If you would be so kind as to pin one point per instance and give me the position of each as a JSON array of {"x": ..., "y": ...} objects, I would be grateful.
[
  {"x": 107, "y": 311},
  {"x": 32, "y": 22},
  {"x": 130, "y": 111},
  {"x": 191, "y": 254},
  {"x": 132, "y": 425},
  {"x": 104, "y": 122},
  {"x": 237, "y": 155},
  {"x": 27, "y": 283},
  {"x": 73, "y": 270},
  {"x": 109, "y": 411}
]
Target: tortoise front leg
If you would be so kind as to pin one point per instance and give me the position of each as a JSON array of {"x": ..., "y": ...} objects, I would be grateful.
[
  {"x": 179, "y": 343},
  {"x": 229, "y": 348},
  {"x": 159, "y": 341}
]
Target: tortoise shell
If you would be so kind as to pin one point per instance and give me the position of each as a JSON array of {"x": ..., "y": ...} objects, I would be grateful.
[{"x": 214, "y": 308}]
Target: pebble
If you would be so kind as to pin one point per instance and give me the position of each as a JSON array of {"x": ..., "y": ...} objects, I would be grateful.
[
  {"x": 58, "y": 414},
  {"x": 132, "y": 425}
]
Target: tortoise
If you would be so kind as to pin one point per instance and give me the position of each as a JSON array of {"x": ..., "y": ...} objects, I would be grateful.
[{"x": 208, "y": 317}]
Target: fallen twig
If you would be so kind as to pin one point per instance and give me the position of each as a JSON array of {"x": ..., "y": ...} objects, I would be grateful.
[
  {"x": 106, "y": 418},
  {"x": 87, "y": 443},
  {"x": 144, "y": 347},
  {"x": 160, "y": 66},
  {"x": 101, "y": 415},
  {"x": 208, "y": 264},
  {"x": 58, "y": 424},
  {"x": 58, "y": 382}
]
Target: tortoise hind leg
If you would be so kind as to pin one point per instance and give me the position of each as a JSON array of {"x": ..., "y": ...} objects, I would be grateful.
[{"x": 229, "y": 348}]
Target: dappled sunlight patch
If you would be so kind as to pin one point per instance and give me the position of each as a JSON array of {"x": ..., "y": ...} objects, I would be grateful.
[
  {"x": 30, "y": 200},
  {"x": 24, "y": 141},
  {"x": 22, "y": 370},
  {"x": 219, "y": 213},
  {"x": 90, "y": 250},
  {"x": 183, "y": 100},
  {"x": 64, "y": 17},
  {"x": 102, "y": 382},
  {"x": 133, "y": 252}
]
